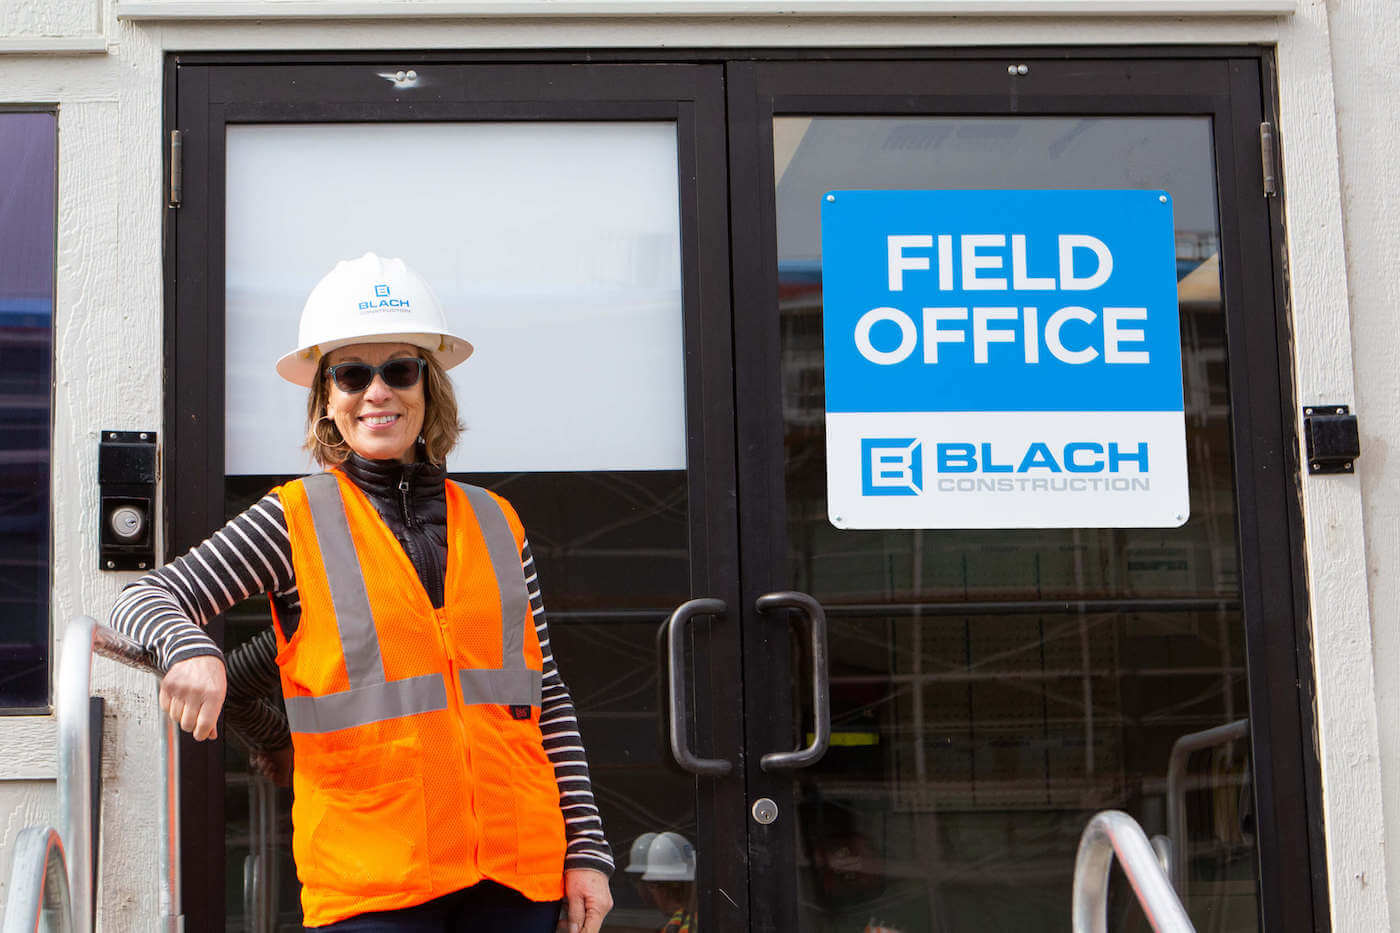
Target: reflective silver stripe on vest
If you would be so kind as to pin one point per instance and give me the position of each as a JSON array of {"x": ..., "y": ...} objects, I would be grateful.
[
  {"x": 514, "y": 684},
  {"x": 510, "y": 577},
  {"x": 359, "y": 706},
  {"x": 500, "y": 688},
  {"x": 371, "y": 697},
  {"x": 359, "y": 642}
]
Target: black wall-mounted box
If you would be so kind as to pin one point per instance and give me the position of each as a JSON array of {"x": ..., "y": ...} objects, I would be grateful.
[
  {"x": 126, "y": 478},
  {"x": 1333, "y": 438}
]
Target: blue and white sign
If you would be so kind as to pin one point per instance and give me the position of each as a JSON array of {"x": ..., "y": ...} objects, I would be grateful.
[{"x": 1002, "y": 359}]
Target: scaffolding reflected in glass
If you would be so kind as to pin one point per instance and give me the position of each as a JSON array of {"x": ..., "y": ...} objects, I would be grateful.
[{"x": 992, "y": 690}]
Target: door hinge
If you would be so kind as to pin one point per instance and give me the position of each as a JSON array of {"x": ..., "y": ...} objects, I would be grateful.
[
  {"x": 177, "y": 168},
  {"x": 1268, "y": 152}
]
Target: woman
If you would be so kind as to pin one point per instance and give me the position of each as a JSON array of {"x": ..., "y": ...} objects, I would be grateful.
[{"x": 411, "y": 642}]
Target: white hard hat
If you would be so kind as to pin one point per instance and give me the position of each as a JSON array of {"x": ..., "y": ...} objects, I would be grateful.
[
  {"x": 637, "y": 858},
  {"x": 670, "y": 857},
  {"x": 370, "y": 300}
]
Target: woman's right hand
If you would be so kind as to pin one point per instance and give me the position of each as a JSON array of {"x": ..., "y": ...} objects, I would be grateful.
[{"x": 192, "y": 694}]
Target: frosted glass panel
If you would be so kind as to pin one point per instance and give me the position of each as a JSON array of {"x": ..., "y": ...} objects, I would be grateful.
[{"x": 554, "y": 246}]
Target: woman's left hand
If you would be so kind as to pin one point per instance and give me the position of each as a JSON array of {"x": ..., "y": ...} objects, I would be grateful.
[{"x": 587, "y": 899}]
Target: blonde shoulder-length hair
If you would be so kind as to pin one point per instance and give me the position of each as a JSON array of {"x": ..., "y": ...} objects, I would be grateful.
[{"x": 441, "y": 427}]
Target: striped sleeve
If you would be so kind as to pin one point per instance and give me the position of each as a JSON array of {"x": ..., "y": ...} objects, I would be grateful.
[
  {"x": 168, "y": 609},
  {"x": 253, "y": 710},
  {"x": 563, "y": 744}
]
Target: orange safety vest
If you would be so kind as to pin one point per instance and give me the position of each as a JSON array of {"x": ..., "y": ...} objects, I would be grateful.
[{"x": 420, "y": 769}]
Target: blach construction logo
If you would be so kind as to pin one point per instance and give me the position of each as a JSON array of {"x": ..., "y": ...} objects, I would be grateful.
[
  {"x": 1002, "y": 359},
  {"x": 382, "y": 302},
  {"x": 891, "y": 466}
]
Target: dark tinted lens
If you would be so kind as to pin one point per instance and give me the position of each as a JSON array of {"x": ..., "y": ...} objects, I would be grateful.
[
  {"x": 352, "y": 377},
  {"x": 401, "y": 373}
]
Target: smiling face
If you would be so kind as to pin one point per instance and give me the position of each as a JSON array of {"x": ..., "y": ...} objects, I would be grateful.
[{"x": 379, "y": 423}]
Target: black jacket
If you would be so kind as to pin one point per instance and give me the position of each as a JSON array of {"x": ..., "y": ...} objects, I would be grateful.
[{"x": 412, "y": 500}]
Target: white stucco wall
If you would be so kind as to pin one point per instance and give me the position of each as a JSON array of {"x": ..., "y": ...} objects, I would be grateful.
[
  {"x": 107, "y": 359},
  {"x": 1366, "y": 84},
  {"x": 1348, "y": 733},
  {"x": 38, "y": 18},
  {"x": 109, "y": 332}
]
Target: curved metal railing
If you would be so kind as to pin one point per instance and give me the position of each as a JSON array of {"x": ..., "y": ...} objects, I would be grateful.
[
  {"x": 38, "y": 895},
  {"x": 1110, "y": 832},
  {"x": 260, "y": 865},
  {"x": 81, "y": 640},
  {"x": 1176, "y": 788}
]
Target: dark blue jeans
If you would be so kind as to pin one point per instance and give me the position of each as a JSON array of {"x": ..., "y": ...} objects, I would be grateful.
[{"x": 487, "y": 907}]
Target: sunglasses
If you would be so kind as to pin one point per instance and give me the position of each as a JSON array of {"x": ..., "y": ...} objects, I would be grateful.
[{"x": 402, "y": 372}]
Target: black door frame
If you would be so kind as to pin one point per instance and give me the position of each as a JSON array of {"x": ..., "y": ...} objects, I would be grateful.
[
  {"x": 1226, "y": 88},
  {"x": 202, "y": 94},
  {"x": 203, "y": 98}
]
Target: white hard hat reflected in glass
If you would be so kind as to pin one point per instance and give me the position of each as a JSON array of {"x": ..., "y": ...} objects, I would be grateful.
[
  {"x": 637, "y": 858},
  {"x": 670, "y": 857}
]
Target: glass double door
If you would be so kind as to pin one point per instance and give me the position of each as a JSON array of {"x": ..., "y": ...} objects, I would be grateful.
[
  {"x": 638, "y": 249},
  {"x": 990, "y": 691}
]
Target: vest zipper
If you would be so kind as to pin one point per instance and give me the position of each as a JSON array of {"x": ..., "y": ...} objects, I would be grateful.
[
  {"x": 455, "y": 702},
  {"x": 421, "y": 551},
  {"x": 404, "y": 499}
]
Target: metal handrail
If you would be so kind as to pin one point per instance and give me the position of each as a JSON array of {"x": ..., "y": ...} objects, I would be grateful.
[
  {"x": 1176, "y": 788},
  {"x": 251, "y": 918},
  {"x": 1162, "y": 848},
  {"x": 38, "y": 884},
  {"x": 83, "y": 638},
  {"x": 260, "y": 866},
  {"x": 1110, "y": 832}
]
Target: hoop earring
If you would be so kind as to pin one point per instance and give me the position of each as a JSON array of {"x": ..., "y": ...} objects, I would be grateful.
[{"x": 316, "y": 433}]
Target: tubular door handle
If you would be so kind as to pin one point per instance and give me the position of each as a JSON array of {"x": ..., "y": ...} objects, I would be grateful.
[
  {"x": 675, "y": 665},
  {"x": 821, "y": 698}
]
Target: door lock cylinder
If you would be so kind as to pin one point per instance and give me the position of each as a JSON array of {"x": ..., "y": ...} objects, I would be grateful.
[{"x": 765, "y": 811}]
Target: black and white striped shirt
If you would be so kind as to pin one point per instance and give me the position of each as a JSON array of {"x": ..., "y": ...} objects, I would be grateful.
[{"x": 169, "y": 608}]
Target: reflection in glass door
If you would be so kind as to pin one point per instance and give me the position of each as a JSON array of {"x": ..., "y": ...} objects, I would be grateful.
[
  {"x": 558, "y": 211},
  {"x": 992, "y": 690},
  {"x": 589, "y": 445}
]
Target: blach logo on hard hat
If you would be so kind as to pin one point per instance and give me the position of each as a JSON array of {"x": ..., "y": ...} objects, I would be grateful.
[
  {"x": 383, "y": 302},
  {"x": 891, "y": 466}
]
